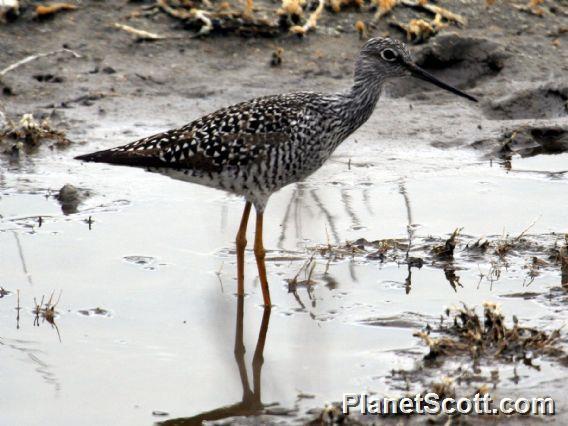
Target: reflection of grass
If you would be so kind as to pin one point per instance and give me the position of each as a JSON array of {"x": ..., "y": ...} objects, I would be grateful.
[
  {"x": 308, "y": 269},
  {"x": 46, "y": 311},
  {"x": 528, "y": 252}
]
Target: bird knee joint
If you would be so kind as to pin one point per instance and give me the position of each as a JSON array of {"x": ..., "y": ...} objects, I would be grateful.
[
  {"x": 239, "y": 351},
  {"x": 257, "y": 361},
  {"x": 241, "y": 242},
  {"x": 259, "y": 252}
]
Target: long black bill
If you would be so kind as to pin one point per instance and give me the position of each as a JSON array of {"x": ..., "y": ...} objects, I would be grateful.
[{"x": 418, "y": 72}]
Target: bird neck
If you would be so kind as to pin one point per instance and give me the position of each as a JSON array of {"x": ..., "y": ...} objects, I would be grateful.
[{"x": 359, "y": 102}]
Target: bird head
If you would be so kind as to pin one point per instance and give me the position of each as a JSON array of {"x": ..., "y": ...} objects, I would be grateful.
[{"x": 389, "y": 58}]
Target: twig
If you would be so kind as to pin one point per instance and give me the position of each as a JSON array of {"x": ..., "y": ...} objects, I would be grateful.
[
  {"x": 140, "y": 34},
  {"x": 527, "y": 229},
  {"x": 34, "y": 57}
]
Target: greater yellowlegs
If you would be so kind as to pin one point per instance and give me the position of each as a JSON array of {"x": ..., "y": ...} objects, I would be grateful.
[{"x": 256, "y": 147}]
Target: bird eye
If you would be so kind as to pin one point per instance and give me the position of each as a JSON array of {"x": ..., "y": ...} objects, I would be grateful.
[{"x": 388, "y": 55}]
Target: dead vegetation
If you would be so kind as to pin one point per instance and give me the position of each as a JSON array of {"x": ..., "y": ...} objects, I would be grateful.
[
  {"x": 420, "y": 29},
  {"x": 205, "y": 18},
  {"x": 467, "y": 350},
  {"x": 468, "y": 341},
  {"x": 530, "y": 253},
  {"x": 463, "y": 333},
  {"x": 505, "y": 244},
  {"x": 28, "y": 134},
  {"x": 446, "y": 250},
  {"x": 292, "y": 16},
  {"x": 44, "y": 311},
  {"x": 247, "y": 19},
  {"x": 331, "y": 414}
]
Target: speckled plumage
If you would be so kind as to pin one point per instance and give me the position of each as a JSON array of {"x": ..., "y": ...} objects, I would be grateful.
[{"x": 256, "y": 147}]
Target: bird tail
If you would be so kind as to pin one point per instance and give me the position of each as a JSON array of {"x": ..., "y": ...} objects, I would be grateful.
[
  {"x": 146, "y": 158},
  {"x": 97, "y": 157}
]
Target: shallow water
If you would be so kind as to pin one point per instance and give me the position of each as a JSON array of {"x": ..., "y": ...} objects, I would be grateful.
[{"x": 158, "y": 259}]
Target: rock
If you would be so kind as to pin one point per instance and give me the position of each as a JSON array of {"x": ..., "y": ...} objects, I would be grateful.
[
  {"x": 68, "y": 193},
  {"x": 70, "y": 197}
]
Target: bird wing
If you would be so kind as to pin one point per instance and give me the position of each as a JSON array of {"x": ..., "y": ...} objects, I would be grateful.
[{"x": 232, "y": 136}]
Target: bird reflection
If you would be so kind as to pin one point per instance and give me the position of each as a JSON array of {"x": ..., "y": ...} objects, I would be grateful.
[{"x": 251, "y": 403}]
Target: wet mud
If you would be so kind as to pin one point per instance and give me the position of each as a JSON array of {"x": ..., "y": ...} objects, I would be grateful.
[
  {"x": 541, "y": 102},
  {"x": 462, "y": 61}
]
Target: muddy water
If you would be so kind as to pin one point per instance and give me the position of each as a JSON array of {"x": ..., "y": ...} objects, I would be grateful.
[{"x": 157, "y": 258}]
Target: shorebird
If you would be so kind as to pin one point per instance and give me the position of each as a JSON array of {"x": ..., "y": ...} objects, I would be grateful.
[{"x": 256, "y": 147}]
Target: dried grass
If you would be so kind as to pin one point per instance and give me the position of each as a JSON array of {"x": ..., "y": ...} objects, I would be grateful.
[
  {"x": 446, "y": 251},
  {"x": 46, "y": 311},
  {"x": 489, "y": 337},
  {"x": 29, "y": 133}
]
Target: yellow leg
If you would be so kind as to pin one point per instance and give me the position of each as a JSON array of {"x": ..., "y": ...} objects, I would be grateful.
[
  {"x": 241, "y": 244},
  {"x": 260, "y": 254}
]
